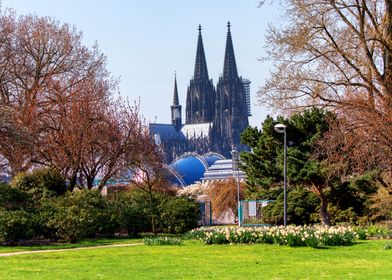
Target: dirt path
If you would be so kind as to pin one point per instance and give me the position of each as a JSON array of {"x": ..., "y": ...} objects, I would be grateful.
[{"x": 70, "y": 249}]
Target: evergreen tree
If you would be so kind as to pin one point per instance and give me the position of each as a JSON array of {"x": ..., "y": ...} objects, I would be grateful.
[{"x": 264, "y": 164}]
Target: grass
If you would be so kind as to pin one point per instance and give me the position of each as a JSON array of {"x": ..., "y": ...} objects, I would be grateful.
[
  {"x": 365, "y": 260},
  {"x": 85, "y": 243}
]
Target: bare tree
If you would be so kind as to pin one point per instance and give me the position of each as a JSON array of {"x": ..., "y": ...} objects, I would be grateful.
[
  {"x": 337, "y": 54},
  {"x": 330, "y": 51},
  {"x": 115, "y": 144},
  {"x": 36, "y": 53},
  {"x": 66, "y": 125}
]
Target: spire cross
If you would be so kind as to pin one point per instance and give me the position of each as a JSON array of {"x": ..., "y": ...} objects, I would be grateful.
[
  {"x": 199, "y": 28},
  {"x": 228, "y": 25}
]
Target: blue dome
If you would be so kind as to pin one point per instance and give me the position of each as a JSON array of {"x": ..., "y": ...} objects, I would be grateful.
[
  {"x": 190, "y": 167},
  {"x": 173, "y": 177},
  {"x": 210, "y": 158}
]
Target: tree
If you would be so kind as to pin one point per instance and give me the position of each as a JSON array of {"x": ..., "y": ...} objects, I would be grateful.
[
  {"x": 223, "y": 196},
  {"x": 59, "y": 105},
  {"x": 15, "y": 143},
  {"x": 264, "y": 164},
  {"x": 381, "y": 205},
  {"x": 337, "y": 54},
  {"x": 116, "y": 144},
  {"x": 86, "y": 133},
  {"x": 148, "y": 174},
  {"x": 37, "y": 53}
]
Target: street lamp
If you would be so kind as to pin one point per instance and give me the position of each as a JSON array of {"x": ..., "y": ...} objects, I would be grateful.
[
  {"x": 235, "y": 167},
  {"x": 157, "y": 139},
  {"x": 281, "y": 128}
]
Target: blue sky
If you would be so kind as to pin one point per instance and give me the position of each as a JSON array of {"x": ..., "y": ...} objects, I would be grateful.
[{"x": 147, "y": 41}]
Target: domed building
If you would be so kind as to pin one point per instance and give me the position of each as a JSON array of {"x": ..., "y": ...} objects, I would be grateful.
[{"x": 191, "y": 167}]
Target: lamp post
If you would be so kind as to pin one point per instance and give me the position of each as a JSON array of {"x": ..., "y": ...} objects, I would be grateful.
[
  {"x": 281, "y": 128},
  {"x": 157, "y": 139},
  {"x": 235, "y": 167}
]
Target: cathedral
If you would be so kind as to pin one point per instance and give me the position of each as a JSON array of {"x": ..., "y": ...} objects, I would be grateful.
[{"x": 214, "y": 116}]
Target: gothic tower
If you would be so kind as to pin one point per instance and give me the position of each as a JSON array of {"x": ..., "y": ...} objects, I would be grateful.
[
  {"x": 231, "y": 108},
  {"x": 200, "y": 97},
  {"x": 176, "y": 108}
]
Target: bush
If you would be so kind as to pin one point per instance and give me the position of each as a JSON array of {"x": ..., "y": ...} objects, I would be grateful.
[
  {"x": 12, "y": 198},
  {"x": 379, "y": 232},
  {"x": 14, "y": 225},
  {"x": 179, "y": 214},
  {"x": 130, "y": 210},
  {"x": 76, "y": 216},
  {"x": 172, "y": 214},
  {"x": 339, "y": 216},
  {"x": 301, "y": 204},
  {"x": 46, "y": 182}
]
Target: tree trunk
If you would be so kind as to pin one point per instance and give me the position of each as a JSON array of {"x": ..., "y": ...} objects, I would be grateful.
[
  {"x": 324, "y": 215},
  {"x": 154, "y": 231},
  {"x": 90, "y": 182},
  {"x": 72, "y": 182},
  {"x": 388, "y": 54}
]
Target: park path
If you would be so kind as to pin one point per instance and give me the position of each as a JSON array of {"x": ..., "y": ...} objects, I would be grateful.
[{"x": 69, "y": 249}]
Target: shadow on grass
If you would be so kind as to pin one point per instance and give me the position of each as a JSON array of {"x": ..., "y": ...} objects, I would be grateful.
[{"x": 33, "y": 245}]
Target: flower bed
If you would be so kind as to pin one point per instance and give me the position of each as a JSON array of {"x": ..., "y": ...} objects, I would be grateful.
[
  {"x": 312, "y": 236},
  {"x": 162, "y": 240}
]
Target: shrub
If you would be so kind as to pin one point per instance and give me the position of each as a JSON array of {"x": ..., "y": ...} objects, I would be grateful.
[
  {"x": 162, "y": 240},
  {"x": 40, "y": 183},
  {"x": 179, "y": 214},
  {"x": 172, "y": 214},
  {"x": 76, "y": 216},
  {"x": 379, "y": 232},
  {"x": 12, "y": 198},
  {"x": 130, "y": 209},
  {"x": 14, "y": 225},
  {"x": 301, "y": 204}
]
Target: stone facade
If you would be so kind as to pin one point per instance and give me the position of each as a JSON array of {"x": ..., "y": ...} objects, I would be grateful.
[{"x": 214, "y": 118}]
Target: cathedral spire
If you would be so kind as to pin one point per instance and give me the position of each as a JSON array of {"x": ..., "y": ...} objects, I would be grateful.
[
  {"x": 176, "y": 101},
  {"x": 201, "y": 72},
  {"x": 176, "y": 107},
  {"x": 229, "y": 66}
]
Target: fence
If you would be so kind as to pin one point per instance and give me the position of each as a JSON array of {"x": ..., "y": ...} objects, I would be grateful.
[
  {"x": 205, "y": 213},
  {"x": 251, "y": 212}
]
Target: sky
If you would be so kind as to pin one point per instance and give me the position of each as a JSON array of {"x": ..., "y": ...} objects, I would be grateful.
[{"x": 147, "y": 41}]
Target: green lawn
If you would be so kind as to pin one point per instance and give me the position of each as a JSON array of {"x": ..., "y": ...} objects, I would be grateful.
[{"x": 193, "y": 260}]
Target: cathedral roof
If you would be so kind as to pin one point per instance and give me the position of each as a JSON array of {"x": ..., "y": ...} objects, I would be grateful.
[
  {"x": 229, "y": 66},
  {"x": 166, "y": 131},
  {"x": 201, "y": 72},
  {"x": 188, "y": 131}
]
